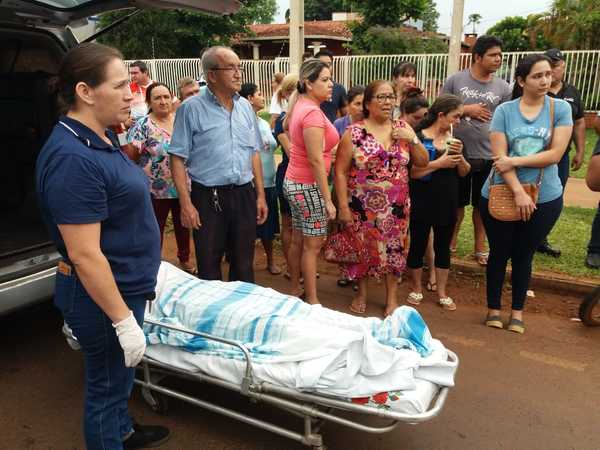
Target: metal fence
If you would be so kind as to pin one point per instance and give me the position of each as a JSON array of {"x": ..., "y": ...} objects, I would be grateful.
[{"x": 583, "y": 71}]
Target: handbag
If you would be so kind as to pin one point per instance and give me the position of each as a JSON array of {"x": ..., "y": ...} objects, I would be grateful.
[
  {"x": 501, "y": 204},
  {"x": 343, "y": 246}
]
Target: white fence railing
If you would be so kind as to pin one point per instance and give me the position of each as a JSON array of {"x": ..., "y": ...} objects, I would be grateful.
[{"x": 583, "y": 71}]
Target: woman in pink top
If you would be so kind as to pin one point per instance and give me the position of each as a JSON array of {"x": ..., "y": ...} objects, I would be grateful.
[{"x": 312, "y": 138}]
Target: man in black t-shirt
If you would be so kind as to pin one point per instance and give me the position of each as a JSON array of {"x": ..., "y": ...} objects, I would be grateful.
[
  {"x": 592, "y": 179},
  {"x": 563, "y": 90}
]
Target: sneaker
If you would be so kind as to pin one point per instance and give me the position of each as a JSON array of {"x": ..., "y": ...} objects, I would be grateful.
[
  {"x": 547, "y": 249},
  {"x": 146, "y": 436},
  {"x": 592, "y": 260}
]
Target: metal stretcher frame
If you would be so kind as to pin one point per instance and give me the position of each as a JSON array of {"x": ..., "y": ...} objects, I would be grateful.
[{"x": 314, "y": 409}]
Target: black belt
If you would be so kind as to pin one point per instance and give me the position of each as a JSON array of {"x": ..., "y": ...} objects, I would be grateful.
[{"x": 223, "y": 187}]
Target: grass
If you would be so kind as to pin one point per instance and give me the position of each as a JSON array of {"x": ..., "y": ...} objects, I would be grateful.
[
  {"x": 590, "y": 141},
  {"x": 571, "y": 234}
]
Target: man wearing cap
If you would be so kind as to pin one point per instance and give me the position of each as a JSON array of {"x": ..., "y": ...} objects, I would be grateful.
[{"x": 563, "y": 90}]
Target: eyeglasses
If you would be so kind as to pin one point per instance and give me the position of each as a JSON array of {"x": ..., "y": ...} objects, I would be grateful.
[
  {"x": 383, "y": 98},
  {"x": 233, "y": 69}
]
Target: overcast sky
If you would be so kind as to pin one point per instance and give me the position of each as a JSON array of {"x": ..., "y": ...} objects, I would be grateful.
[{"x": 491, "y": 11}]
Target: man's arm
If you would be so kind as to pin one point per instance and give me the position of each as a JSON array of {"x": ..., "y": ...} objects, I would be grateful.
[
  {"x": 592, "y": 177},
  {"x": 579, "y": 139},
  {"x": 262, "y": 210}
]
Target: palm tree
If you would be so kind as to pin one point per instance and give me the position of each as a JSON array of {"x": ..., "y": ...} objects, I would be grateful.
[{"x": 474, "y": 19}]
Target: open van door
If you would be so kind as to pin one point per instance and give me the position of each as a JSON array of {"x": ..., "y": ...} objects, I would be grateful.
[{"x": 62, "y": 13}]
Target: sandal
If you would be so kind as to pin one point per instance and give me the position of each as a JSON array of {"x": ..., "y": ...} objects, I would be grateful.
[
  {"x": 343, "y": 282},
  {"x": 431, "y": 287},
  {"x": 362, "y": 307},
  {"x": 516, "y": 326},
  {"x": 494, "y": 321},
  {"x": 447, "y": 303},
  {"x": 189, "y": 269},
  {"x": 482, "y": 258},
  {"x": 274, "y": 270},
  {"x": 414, "y": 298}
]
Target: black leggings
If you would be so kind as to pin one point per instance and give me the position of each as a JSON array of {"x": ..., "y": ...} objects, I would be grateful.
[
  {"x": 419, "y": 235},
  {"x": 516, "y": 241}
]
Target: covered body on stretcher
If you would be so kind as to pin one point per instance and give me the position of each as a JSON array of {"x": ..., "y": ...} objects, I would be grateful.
[{"x": 393, "y": 363}]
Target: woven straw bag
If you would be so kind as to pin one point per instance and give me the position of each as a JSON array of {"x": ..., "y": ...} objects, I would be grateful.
[{"x": 501, "y": 203}]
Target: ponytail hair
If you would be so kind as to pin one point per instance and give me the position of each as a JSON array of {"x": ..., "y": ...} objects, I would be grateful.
[
  {"x": 444, "y": 104},
  {"x": 414, "y": 101},
  {"x": 309, "y": 70}
]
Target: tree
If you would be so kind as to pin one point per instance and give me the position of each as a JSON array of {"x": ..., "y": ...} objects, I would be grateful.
[
  {"x": 518, "y": 35},
  {"x": 430, "y": 17},
  {"x": 572, "y": 24},
  {"x": 390, "y": 13},
  {"x": 180, "y": 34},
  {"x": 322, "y": 10},
  {"x": 393, "y": 41},
  {"x": 474, "y": 19}
]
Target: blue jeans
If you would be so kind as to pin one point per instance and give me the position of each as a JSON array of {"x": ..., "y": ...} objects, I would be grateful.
[
  {"x": 516, "y": 241},
  {"x": 108, "y": 381}
]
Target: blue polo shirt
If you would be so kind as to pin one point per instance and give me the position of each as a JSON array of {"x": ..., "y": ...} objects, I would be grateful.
[{"x": 81, "y": 179}]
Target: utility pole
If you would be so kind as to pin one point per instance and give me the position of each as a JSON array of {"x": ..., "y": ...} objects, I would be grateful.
[
  {"x": 296, "y": 34},
  {"x": 456, "y": 36}
]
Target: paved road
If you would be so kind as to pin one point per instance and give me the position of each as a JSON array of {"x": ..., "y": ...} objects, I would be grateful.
[
  {"x": 578, "y": 194},
  {"x": 513, "y": 392}
]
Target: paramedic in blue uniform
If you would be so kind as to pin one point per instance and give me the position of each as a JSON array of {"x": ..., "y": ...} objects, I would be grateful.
[{"x": 96, "y": 205}]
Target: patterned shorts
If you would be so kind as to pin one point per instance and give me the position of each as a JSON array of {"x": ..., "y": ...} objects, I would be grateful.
[{"x": 308, "y": 208}]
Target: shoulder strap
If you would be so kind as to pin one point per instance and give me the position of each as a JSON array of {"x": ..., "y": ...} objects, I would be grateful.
[{"x": 549, "y": 145}]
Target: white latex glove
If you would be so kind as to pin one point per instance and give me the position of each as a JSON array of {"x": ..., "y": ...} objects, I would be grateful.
[{"x": 132, "y": 340}]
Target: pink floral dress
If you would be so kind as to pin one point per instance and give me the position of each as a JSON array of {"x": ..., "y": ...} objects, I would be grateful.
[{"x": 380, "y": 204}]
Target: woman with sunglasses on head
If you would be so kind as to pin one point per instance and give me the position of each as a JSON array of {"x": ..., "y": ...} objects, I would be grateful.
[
  {"x": 529, "y": 136},
  {"x": 371, "y": 182},
  {"x": 150, "y": 137}
]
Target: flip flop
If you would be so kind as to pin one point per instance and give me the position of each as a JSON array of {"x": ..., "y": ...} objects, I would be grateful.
[
  {"x": 414, "y": 298},
  {"x": 431, "y": 287},
  {"x": 190, "y": 269},
  {"x": 516, "y": 326},
  {"x": 482, "y": 258},
  {"x": 342, "y": 282},
  {"x": 494, "y": 322},
  {"x": 447, "y": 303}
]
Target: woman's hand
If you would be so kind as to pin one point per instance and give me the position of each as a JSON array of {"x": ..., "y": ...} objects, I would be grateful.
[
  {"x": 448, "y": 161},
  {"x": 503, "y": 163},
  {"x": 402, "y": 130},
  {"x": 525, "y": 205},
  {"x": 345, "y": 215},
  {"x": 330, "y": 208},
  {"x": 455, "y": 146}
]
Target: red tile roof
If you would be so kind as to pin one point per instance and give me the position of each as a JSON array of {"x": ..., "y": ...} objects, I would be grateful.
[{"x": 333, "y": 28}]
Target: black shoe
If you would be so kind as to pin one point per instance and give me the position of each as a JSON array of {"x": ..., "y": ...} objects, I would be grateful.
[
  {"x": 547, "y": 249},
  {"x": 592, "y": 260},
  {"x": 146, "y": 436}
]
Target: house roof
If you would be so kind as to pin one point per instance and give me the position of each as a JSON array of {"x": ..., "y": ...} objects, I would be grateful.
[
  {"x": 328, "y": 29},
  {"x": 321, "y": 29}
]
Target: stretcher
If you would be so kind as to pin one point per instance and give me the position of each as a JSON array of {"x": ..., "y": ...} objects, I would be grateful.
[{"x": 315, "y": 409}]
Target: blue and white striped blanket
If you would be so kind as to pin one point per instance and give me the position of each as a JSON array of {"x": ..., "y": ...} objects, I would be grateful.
[{"x": 326, "y": 346}]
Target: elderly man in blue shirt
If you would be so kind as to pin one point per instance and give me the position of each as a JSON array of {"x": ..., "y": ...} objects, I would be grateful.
[{"x": 216, "y": 141}]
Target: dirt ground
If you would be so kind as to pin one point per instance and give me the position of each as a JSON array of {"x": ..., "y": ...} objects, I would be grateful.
[{"x": 538, "y": 390}]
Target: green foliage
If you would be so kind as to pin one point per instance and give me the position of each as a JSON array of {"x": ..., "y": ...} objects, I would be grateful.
[
  {"x": 430, "y": 17},
  {"x": 518, "y": 34},
  {"x": 180, "y": 34},
  {"x": 572, "y": 25},
  {"x": 322, "y": 10},
  {"x": 390, "y": 13},
  {"x": 392, "y": 41}
]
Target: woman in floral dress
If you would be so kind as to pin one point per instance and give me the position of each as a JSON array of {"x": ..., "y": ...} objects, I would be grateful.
[
  {"x": 150, "y": 137},
  {"x": 371, "y": 181}
]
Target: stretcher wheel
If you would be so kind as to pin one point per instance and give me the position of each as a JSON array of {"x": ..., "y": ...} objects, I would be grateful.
[{"x": 158, "y": 402}]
